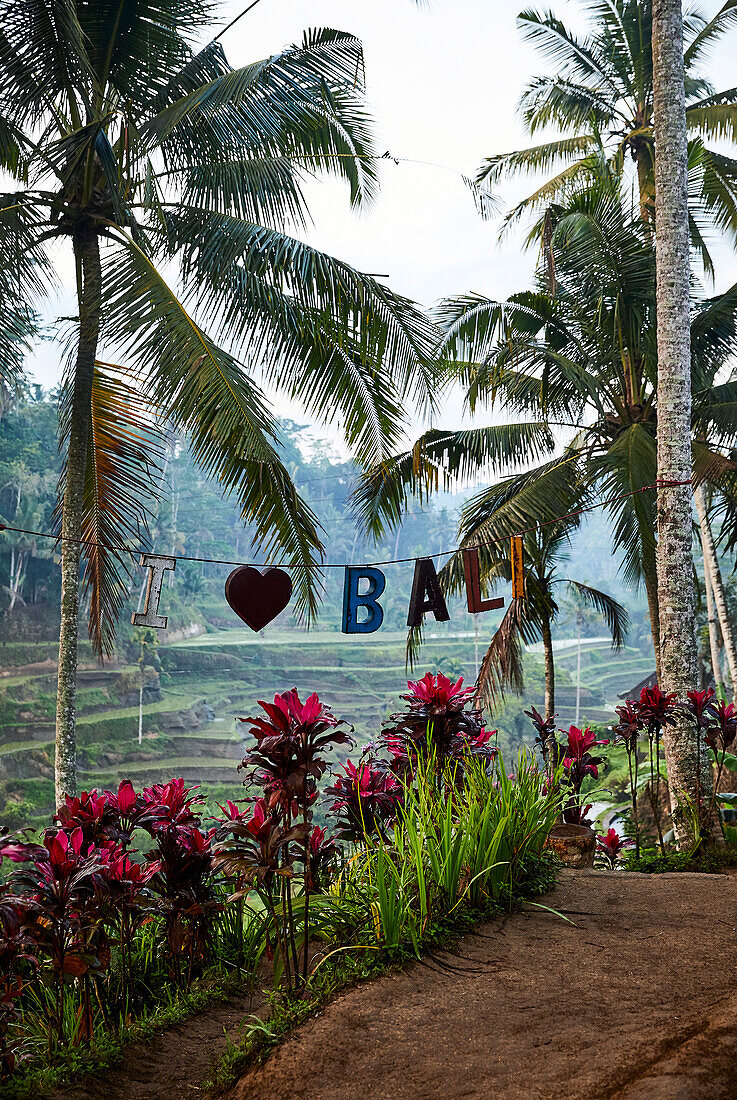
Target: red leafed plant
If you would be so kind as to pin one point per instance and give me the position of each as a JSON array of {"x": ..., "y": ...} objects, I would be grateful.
[
  {"x": 437, "y": 723},
  {"x": 287, "y": 762},
  {"x": 578, "y": 764},
  {"x": 656, "y": 711},
  {"x": 61, "y": 882},
  {"x": 720, "y": 733},
  {"x": 628, "y": 730},
  {"x": 611, "y": 846},
  {"x": 545, "y": 735},
  {"x": 365, "y": 800},
  {"x": 112, "y": 815},
  {"x": 183, "y": 879},
  {"x": 18, "y": 964}
]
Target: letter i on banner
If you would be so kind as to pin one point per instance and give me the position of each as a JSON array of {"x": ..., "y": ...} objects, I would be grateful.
[
  {"x": 518, "y": 573},
  {"x": 157, "y": 565}
]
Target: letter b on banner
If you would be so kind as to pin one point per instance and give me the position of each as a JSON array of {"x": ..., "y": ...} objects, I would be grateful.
[{"x": 353, "y": 599}]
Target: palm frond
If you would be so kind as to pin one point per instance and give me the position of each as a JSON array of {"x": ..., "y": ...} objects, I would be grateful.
[
  {"x": 627, "y": 466},
  {"x": 523, "y": 501},
  {"x": 442, "y": 459},
  {"x": 123, "y": 455},
  {"x": 264, "y": 190},
  {"x": 25, "y": 276},
  {"x": 718, "y": 121},
  {"x": 713, "y": 189},
  {"x": 43, "y": 61},
  {"x": 342, "y": 343},
  {"x": 616, "y": 617},
  {"x": 206, "y": 392},
  {"x": 11, "y": 155},
  {"x": 501, "y": 668},
  {"x": 713, "y": 343},
  {"x": 555, "y": 190},
  {"x": 548, "y": 101},
  {"x": 536, "y": 159},
  {"x": 710, "y": 33},
  {"x": 304, "y": 100},
  {"x": 568, "y": 55},
  {"x": 136, "y": 48}
]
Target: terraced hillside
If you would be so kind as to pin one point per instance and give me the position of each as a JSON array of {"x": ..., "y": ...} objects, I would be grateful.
[
  {"x": 181, "y": 732},
  {"x": 189, "y": 711}
]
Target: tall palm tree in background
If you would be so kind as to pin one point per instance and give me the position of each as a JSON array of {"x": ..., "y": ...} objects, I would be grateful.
[
  {"x": 174, "y": 182},
  {"x": 576, "y": 364},
  {"x": 718, "y": 620},
  {"x": 601, "y": 94},
  {"x": 601, "y": 98}
]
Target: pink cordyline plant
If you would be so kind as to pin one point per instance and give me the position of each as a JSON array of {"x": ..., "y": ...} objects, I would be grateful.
[
  {"x": 628, "y": 730},
  {"x": 61, "y": 884},
  {"x": 173, "y": 805},
  {"x": 287, "y": 762},
  {"x": 113, "y": 815},
  {"x": 366, "y": 800},
  {"x": 611, "y": 846},
  {"x": 72, "y": 900},
  {"x": 657, "y": 710},
  {"x": 323, "y": 852},
  {"x": 544, "y": 735},
  {"x": 437, "y": 724},
  {"x": 720, "y": 734},
  {"x": 578, "y": 763},
  {"x": 438, "y": 693},
  {"x": 288, "y": 758},
  {"x": 18, "y": 967}
]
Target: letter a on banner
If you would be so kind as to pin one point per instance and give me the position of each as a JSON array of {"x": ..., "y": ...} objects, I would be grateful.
[
  {"x": 353, "y": 599},
  {"x": 426, "y": 595},
  {"x": 518, "y": 573}
]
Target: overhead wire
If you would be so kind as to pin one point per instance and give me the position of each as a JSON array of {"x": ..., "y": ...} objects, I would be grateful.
[{"x": 134, "y": 552}]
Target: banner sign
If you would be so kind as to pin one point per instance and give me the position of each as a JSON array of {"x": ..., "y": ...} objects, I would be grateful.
[{"x": 257, "y": 598}]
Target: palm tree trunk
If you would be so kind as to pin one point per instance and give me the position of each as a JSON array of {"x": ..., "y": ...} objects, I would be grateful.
[
  {"x": 675, "y": 565},
  {"x": 549, "y": 666},
  {"x": 11, "y": 580},
  {"x": 651, "y": 590},
  {"x": 713, "y": 627},
  {"x": 711, "y": 563},
  {"x": 87, "y": 255}
]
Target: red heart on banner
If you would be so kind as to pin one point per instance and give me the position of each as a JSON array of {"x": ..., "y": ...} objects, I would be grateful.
[{"x": 258, "y": 597}]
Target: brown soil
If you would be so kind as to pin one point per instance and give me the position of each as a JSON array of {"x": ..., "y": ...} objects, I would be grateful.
[
  {"x": 636, "y": 1000},
  {"x": 171, "y": 1066}
]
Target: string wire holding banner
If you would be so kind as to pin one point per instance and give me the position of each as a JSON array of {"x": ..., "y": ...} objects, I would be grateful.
[{"x": 136, "y": 551}]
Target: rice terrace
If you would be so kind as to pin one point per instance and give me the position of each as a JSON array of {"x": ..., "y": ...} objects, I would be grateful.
[{"x": 368, "y": 517}]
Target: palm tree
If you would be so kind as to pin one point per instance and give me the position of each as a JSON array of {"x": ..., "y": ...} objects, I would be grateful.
[
  {"x": 687, "y": 774},
  {"x": 601, "y": 99},
  {"x": 718, "y": 619},
  {"x": 578, "y": 370},
  {"x": 175, "y": 183},
  {"x": 601, "y": 92}
]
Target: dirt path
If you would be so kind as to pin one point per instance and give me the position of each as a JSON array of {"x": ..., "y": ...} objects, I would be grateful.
[
  {"x": 173, "y": 1065},
  {"x": 638, "y": 1001}
]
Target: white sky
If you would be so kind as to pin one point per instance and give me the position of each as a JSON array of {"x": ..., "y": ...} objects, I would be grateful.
[{"x": 443, "y": 83}]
